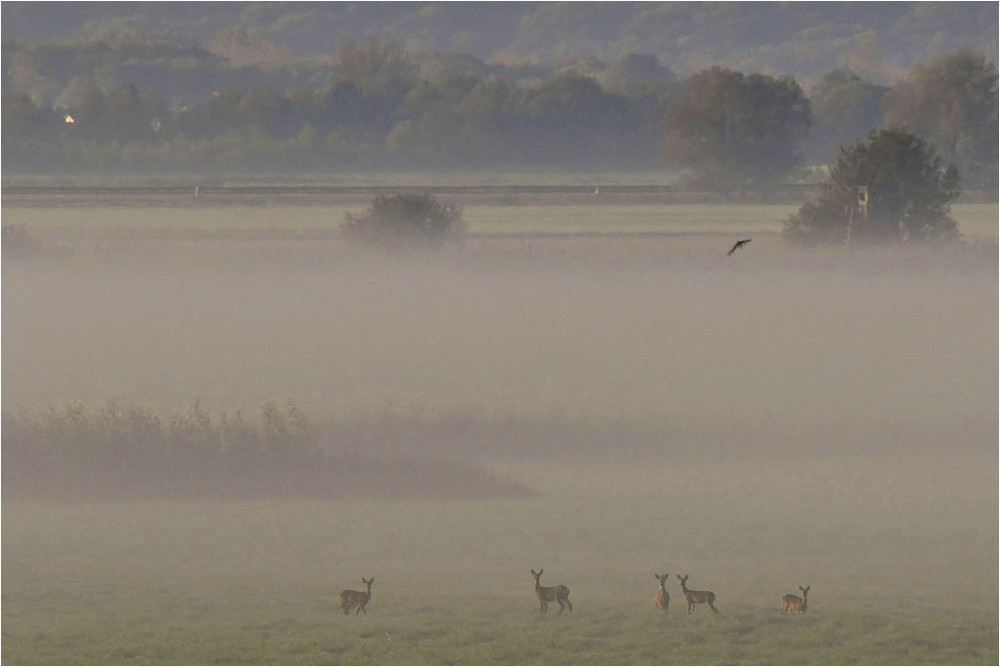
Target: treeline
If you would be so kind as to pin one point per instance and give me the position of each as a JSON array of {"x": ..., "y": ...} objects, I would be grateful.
[
  {"x": 161, "y": 104},
  {"x": 125, "y": 450},
  {"x": 879, "y": 41}
]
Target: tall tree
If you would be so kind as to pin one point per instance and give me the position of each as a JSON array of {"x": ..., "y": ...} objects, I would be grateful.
[
  {"x": 953, "y": 104},
  {"x": 383, "y": 73},
  {"x": 909, "y": 194},
  {"x": 737, "y": 131},
  {"x": 845, "y": 109}
]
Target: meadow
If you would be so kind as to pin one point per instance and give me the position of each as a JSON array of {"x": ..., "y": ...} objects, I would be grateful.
[
  {"x": 780, "y": 418},
  {"x": 900, "y": 559}
]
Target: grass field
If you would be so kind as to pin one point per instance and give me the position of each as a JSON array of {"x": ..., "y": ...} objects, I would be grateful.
[
  {"x": 256, "y": 583},
  {"x": 782, "y": 417},
  {"x": 975, "y": 220}
]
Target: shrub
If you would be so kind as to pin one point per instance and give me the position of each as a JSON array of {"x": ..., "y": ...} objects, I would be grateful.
[
  {"x": 405, "y": 219},
  {"x": 127, "y": 451},
  {"x": 910, "y": 190}
]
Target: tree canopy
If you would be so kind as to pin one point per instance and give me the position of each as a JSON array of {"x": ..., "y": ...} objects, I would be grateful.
[
  {"x": 127, "y": 101},
  {"x": 845, "y": 109},
  {"x": 735, "y": 130},
  {"x": 395, "y": 221},
  {"x": 909, "y": 193},
  {"x": 953, "y": 104}
]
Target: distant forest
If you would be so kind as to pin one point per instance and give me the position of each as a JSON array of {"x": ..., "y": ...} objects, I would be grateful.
[{"x": 271, "y": 87}]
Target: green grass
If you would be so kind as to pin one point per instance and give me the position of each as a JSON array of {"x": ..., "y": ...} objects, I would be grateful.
[
  {"x": 641, "y": 218},
  {"x": 975, "y": 220},
  {"x": 256, "y": 583}
]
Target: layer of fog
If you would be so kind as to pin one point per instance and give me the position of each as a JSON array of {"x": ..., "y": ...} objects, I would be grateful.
[{"x": 745, "y": 348}]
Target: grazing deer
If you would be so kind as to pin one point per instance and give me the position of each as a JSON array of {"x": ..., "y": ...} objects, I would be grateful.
[
  {"x": 793, "y": 604},
  {"x": 662, "y": 596},
  {"x": 697, "y": 597},
  {"x": 547, "y": 594},
  {"x": 356, "y": 599}
]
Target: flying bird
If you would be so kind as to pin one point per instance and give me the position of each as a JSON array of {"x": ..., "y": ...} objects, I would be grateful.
[{"x": 738, "y": 244}]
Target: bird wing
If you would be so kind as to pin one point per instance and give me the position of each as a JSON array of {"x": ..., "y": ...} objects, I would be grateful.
[{"x": 738, "y": 244}]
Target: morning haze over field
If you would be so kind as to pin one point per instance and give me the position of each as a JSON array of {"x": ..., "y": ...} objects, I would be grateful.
[{"x": 341, "y": 333}]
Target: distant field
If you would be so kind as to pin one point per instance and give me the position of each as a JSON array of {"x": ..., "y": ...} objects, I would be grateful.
[
  {"x": 256, "y": 583},
  {"x": 292, "y": 221},
  {"x": 975, "y": 220}
]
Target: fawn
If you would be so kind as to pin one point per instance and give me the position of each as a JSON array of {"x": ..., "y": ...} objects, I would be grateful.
[
  {"x": 793, "y": 604},
  {"x": 356, "y": 599},
  {"x": 662, "y": 596},
  {"x": 547, "y": 594},
  {"x": 697, "y": 597}
]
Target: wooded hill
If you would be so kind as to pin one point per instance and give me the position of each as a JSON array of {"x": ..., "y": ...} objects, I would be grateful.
[
  {"x": 143, "y": 87},
  {"x": 880, "y": 41}
]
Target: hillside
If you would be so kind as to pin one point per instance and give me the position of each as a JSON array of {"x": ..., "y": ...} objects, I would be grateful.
[{"x": 879, "y": 41}]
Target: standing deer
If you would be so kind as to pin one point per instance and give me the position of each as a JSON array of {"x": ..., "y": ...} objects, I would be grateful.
[
  {"x": 793, "y": 604},
  {"x": 547, "y": 594},
  {"x": 697, "y": 597},
  {"x": 356, "y": 599},
  {"x": 662, "y": 596}
]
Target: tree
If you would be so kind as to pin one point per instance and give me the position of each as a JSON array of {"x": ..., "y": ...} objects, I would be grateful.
[
  {"x": 845, "y": 109},
  {"x": 635, "y": 75},
  {"x": 910, "y": 190},
  {"x": 244, "y": 49},
  {"x": 573, "y": 118},
  {"x": 406, "y": 219},
  {"x": 735, "y": 130},
  {"x": 383, "y": 73},
  {"x": 268, "y": 111},
  {"x": 131, "y": 116},
  {"x": 953, "y": 104}
]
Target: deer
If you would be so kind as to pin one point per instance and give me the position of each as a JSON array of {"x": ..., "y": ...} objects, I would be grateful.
[
  {"x": 547, "y": 594},
  {"x": 793, "y": 604},
  {"x": 356, "y": 599},
  {"x": 697, "y": 597},
  {"x": 662, "y": 596}
]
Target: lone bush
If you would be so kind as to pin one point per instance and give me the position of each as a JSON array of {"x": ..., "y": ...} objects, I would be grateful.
[{"x": 404, "y": 219}]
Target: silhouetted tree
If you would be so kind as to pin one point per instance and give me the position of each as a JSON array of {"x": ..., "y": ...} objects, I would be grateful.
[
  {"x": 845, "y": 108},
  {"x": 910, "y": 190},
  {"x": 383, "y": 73},
  {"x": 953, "y": 104},
  {"x": 406, "y": 219},
  {"x": 735, "y": 130},
  {"x": 572, "y": 117}
]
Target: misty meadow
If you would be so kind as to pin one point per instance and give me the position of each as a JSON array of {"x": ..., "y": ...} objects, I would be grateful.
[
  {"x": 499, "y": 333},
  {"x": 215, "y": 421}
]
